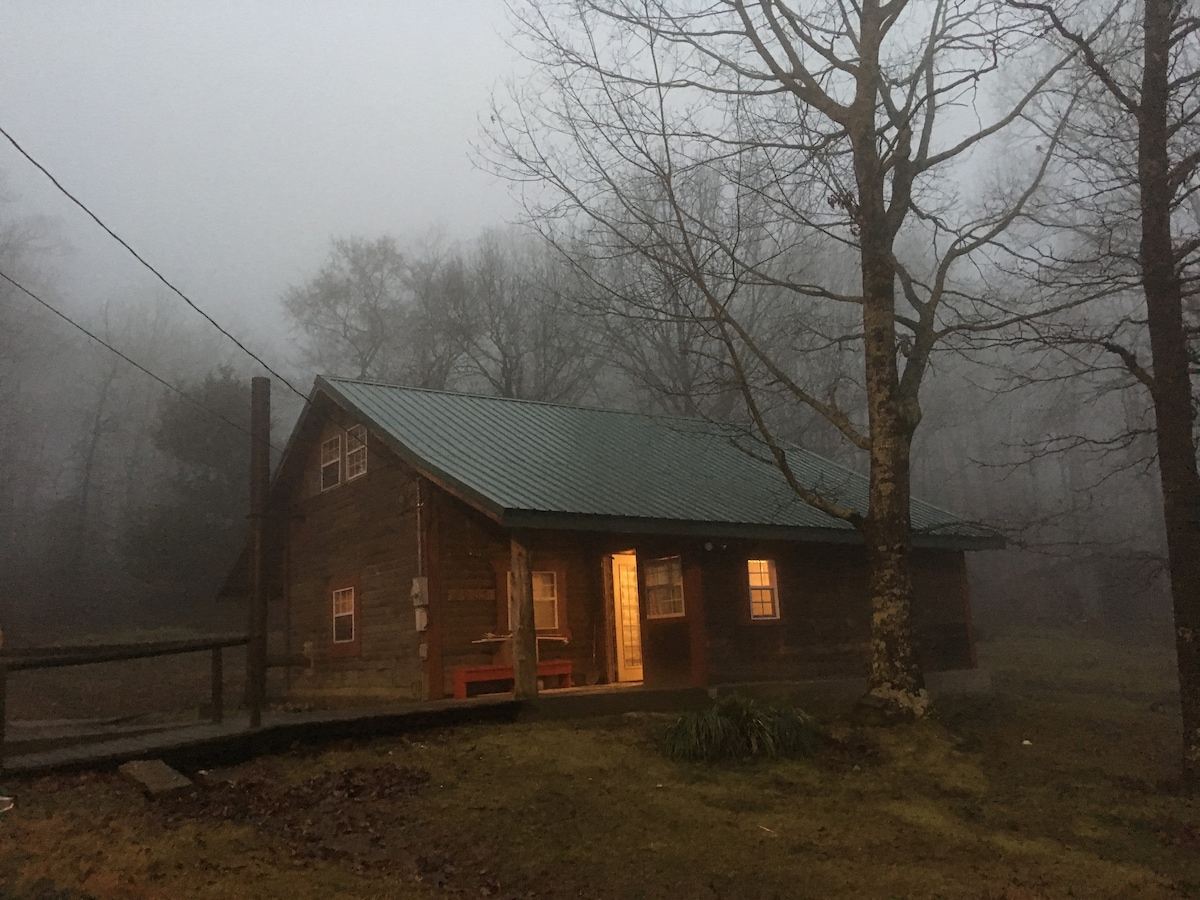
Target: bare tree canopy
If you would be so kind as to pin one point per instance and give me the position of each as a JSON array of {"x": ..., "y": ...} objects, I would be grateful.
[
  {"x": 738, "y": 147},
  {"x": 350, "y": 310}
]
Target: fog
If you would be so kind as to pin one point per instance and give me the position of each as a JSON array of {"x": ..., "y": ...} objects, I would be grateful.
[
  {"x": 228, "y": 141},
  {"x": 247, "y": 150}
]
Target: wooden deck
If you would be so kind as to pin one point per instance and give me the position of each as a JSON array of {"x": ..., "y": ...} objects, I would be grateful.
[{"x": 207, "y": 744}]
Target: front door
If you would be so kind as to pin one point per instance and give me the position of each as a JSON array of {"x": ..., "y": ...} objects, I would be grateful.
[{"x": 627, "y": 616}]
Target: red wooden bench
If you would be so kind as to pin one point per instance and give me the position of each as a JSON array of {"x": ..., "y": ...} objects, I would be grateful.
[{"x": 464, "y": 675}]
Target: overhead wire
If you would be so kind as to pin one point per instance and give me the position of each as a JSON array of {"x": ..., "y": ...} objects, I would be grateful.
[
  {"x": 116, "y": 237},
  {"x": 307, "y": 401},
  {"x": 133, "y": 362}
]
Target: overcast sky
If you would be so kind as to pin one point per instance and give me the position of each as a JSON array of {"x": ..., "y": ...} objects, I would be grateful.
[{"x": 228, "y": 141}]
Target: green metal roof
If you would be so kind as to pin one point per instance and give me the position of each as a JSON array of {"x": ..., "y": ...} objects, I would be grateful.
[{"x": 542, "y": 465}]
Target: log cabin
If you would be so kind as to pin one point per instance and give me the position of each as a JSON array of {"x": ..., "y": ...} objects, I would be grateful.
[{"x": 406, "y": 526}]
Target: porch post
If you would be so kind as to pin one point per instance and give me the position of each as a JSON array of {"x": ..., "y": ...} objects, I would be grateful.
[{"x": 524, "y": 634}]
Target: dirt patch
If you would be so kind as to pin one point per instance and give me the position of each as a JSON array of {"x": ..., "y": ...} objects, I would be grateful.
[
  {"x": 355, "y": 815},
  {"x": 44, "y": 889},
  {"x": 1184, "y": 835}
]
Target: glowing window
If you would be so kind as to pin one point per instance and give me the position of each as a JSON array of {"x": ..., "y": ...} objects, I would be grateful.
[{"x": 764, "y": 589}]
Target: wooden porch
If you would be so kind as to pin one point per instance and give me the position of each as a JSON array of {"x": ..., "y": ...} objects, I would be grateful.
[{"x": 207, "y": 744}]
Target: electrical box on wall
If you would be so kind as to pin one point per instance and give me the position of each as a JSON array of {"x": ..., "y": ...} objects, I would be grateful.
[
  {"x": 420, "y": 591},
  {"x": 422, "y": 620}
]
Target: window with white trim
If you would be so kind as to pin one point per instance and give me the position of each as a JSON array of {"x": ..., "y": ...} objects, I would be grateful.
[
  {"x": 331, "y": 462},
  {"x": 764, "y": 589},
  {"x": 664, "y": 588},
  {"x": 545, "y": 600},
  {"x": 343, "y": 616},
  {"x": 356, "y": 452}
]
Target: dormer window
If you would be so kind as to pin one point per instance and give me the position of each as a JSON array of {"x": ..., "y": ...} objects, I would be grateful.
[{"x": 331, "y": 463}]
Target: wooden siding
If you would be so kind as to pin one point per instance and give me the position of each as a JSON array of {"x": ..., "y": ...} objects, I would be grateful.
[
  {"x": 365, "y": 532},
  {"x": 474, "y": 557},
  {"x": 823, "y": 627},
  {"x": 942, "y": 610},
  {"x": 362, "y": 530}
]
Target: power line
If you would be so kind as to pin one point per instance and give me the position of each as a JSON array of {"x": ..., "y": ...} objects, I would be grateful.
[
  {"x": 116, "y": 237},
  {"x": 137, "y": 365},
  {"x": 184, "y": 297}
]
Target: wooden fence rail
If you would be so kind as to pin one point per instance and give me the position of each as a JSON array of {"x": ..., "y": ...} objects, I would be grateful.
[{"x": 18, "y": 659}]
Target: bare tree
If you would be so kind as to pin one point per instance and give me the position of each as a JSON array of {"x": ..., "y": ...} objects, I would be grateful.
[
  {"x": 523, "y": 339},
  {"x": 434, "y": 325},
  {"x": 822, "y": 125},
  {"x": 376, "y": 311},
  {"x": 1132, "y": 221},
  {"x": 350, "y": 311}
]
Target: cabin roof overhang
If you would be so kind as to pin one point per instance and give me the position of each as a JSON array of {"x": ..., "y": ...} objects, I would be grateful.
[
  {"x": 537, "y": 520},
  {"x": 953, "y": 538}
]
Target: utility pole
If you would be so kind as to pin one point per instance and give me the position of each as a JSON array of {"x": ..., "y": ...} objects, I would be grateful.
[{"x": 260, "y": 474}]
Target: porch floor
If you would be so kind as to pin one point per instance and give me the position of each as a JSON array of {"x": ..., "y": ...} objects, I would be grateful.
[{"x": 71, "y": 746}]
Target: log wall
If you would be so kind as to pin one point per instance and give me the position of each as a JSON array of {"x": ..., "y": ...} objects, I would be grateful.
[
  {"x": 825, "y": 617},
  {"x": 364, "y": 533},
  {"x": 360, "y": 533},
  {"x": 474, "y": 559}
]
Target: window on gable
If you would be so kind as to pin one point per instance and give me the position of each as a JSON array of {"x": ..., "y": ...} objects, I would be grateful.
[
  {"x": 664, "y": 588},
  {"x": 356, "y": 452},
  {"x": 545, "y": 600},
  {"x": 764, "y": 589},
  {"x": 331, "y": 462},
  {"x": 343, "y": 616}
]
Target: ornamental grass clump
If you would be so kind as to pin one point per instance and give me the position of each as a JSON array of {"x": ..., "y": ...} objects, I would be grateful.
[{"x": 739, "y": 728}]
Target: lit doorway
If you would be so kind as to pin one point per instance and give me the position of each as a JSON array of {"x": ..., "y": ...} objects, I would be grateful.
[{"x": 626, "y": 616}]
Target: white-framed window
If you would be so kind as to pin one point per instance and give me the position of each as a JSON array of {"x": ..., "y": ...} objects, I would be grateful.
[
  {"x": 343, "y": 616},
  {"x": 545, "y": 600},
  {"x": 331, "y": 462},
  {"x": 356, "y": 451},
  {"x": 764, "y": 589},
  {"x": 664, "y": 588}
]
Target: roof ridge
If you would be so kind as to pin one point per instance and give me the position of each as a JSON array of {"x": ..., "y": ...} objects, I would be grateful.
[{"x": 601, "y": 409}]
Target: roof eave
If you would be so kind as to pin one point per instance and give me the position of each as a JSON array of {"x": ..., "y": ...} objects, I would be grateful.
[{"x": 538, "y": 520}]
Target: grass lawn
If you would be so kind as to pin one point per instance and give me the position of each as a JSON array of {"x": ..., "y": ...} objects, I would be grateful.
[{"x": 957, "y": 807}]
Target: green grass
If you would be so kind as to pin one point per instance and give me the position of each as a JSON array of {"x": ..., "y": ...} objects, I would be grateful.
[{"x": 958, "y": 807}]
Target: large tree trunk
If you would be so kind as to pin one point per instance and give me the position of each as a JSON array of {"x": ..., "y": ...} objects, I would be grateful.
[
  {"x": 895, "y": 683},
  {"x": 1171, "y": 382},
  {"x": 895, "y": 680}
]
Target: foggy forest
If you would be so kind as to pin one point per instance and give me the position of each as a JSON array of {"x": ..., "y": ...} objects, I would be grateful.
[
  {"x": 126, "y": 499},
  {"x": 953, "y": 246}
]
